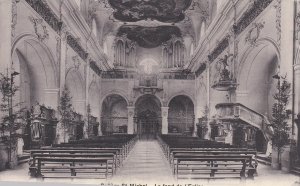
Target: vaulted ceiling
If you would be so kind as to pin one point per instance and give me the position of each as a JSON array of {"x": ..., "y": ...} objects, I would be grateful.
[
  {"x": 170, "y": 11},
  {"x": 149, "y": 22}
]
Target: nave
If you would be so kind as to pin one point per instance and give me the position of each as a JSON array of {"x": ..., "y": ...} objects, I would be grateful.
[{"x": 147, "y": 162}]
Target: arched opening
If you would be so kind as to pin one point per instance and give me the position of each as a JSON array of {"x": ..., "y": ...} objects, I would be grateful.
[
  {"x": 181, "y": 115},
  {"x": 148, "y": 117},
  {"x": 255, "y": 80},
  {"x": 114, "y": 115},
  {"x": 75, "y": 84},
  {"x": 94, "y": 101},
  {"x": 37, "y": 84}
]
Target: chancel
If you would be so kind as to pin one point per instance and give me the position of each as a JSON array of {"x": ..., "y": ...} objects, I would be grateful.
[{"x": 150, "y": 91}]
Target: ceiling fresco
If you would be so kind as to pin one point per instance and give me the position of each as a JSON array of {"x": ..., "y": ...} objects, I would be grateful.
[
  {"x": 149, "y": 37},
  {"x": 169, "y": 11}
]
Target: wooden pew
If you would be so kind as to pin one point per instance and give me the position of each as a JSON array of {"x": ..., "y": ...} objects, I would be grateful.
[
  {"x": 214, "y": 166},
  {"x": 74, "y": 167},
  {"x": 99, "y": 156},
  {"x": 195, "y": 158}
]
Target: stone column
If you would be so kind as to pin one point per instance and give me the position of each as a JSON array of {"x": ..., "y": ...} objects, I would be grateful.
[
  {"x": 297, "y": 98},
  {"x": 197, "y": 112},
  {"x": 130, "y": 126},
  {"x": 62, "y": 44},
  {"x": 285, "y": 38},
  {"x": 164, "y": 121},
  {"x": 87, "y": 83},
  {"x": 6, "y": 35}
]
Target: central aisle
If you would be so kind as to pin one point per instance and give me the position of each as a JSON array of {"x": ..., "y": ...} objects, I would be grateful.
[{"x": 146, "y": 162}]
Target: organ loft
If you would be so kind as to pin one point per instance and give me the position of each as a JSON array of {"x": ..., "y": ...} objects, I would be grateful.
[{"x": 150, "y": 90}]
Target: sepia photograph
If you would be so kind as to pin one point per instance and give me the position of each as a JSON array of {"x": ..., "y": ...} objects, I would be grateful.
[{"x": 150, "y": 92}]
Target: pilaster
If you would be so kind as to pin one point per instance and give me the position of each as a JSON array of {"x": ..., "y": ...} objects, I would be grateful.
[{"x": 164, "y": 114}]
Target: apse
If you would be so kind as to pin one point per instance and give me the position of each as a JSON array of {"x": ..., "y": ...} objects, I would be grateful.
[
  {"x": 168, "y": 11},
  {"x": 149, "y": 37}
]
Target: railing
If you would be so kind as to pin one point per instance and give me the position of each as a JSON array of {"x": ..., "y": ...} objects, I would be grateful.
[
  {"x": 177, "y": 75},
  {"x": 239, "y": 112}
]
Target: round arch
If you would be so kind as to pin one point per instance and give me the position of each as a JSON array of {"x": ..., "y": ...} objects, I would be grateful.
[
  {"x": 43, "y": 55},
  {"x": 76, "y": 86},
  {"x": 181, "y": 115},
  {"x": 254, "y": 76},
  {"x": 114, "y": 114},
  {"x": 181, "y": 94},
  {"x": 114, "y": 92},
  {"x": 37, "y": 68},
  {"x": 148, "y": 116}
]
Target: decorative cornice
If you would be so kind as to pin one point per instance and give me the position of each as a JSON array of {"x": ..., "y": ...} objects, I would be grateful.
[
  {"x": 14, "y": 18},
  {"x": 250, "y": 15},
  {"x": 73, "y": 43},
  {"x": 95, "y": 68},
  {"x": 42, "y": 8},
  {"x": 219, "y": 49}
]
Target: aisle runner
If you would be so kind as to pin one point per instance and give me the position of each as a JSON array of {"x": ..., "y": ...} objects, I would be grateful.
[{"x": 145, "y": 163}]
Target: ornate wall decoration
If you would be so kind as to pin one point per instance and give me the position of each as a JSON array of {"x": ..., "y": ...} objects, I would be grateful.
[
  {"x": 40, "y": 28},
  {"x": 42, "y": 8},
  {"x": 278, "y": 21},
  {"x": 297, "y": 29},
  {"x": 95, "y": 68},
  {"x": 14, "y": 18},
  {"x": 257, "y": 7},
  {"x": 73, "y": 43},
  {"x": 254, "y": 33},
  {"x": 221, "y": 46},
  {"x": 76, "y": 62}
]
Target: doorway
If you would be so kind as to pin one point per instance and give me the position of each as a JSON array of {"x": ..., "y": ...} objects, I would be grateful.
[
  {"x": 148, "y": 125},
  {"x": 148, "y": 117}
]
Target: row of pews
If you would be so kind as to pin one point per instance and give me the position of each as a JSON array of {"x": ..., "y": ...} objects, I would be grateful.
[
  {"x": 194, "y": 158},
  {"x": 96, "y": 158}
]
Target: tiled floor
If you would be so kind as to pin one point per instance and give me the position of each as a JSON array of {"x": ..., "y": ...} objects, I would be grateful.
[{"x": 147, "y": 164}]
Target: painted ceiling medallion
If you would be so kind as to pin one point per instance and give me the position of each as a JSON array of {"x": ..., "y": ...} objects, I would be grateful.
[
  {"x": 170, "y": 11},
  {"x": 149, "y": 37}
]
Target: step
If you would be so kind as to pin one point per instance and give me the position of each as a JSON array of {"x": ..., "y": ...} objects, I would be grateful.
[
  {"x": 24, "y": 158},
  {"x": 263, "y": 159},
  {"x": 294, "y": 171}
]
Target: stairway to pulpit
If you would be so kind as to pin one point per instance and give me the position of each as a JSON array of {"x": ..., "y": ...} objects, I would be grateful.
[{"x": 145, "y": 163}]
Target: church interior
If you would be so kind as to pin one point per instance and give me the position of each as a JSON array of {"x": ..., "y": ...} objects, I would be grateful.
[{"x": 150, "y": 90}]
